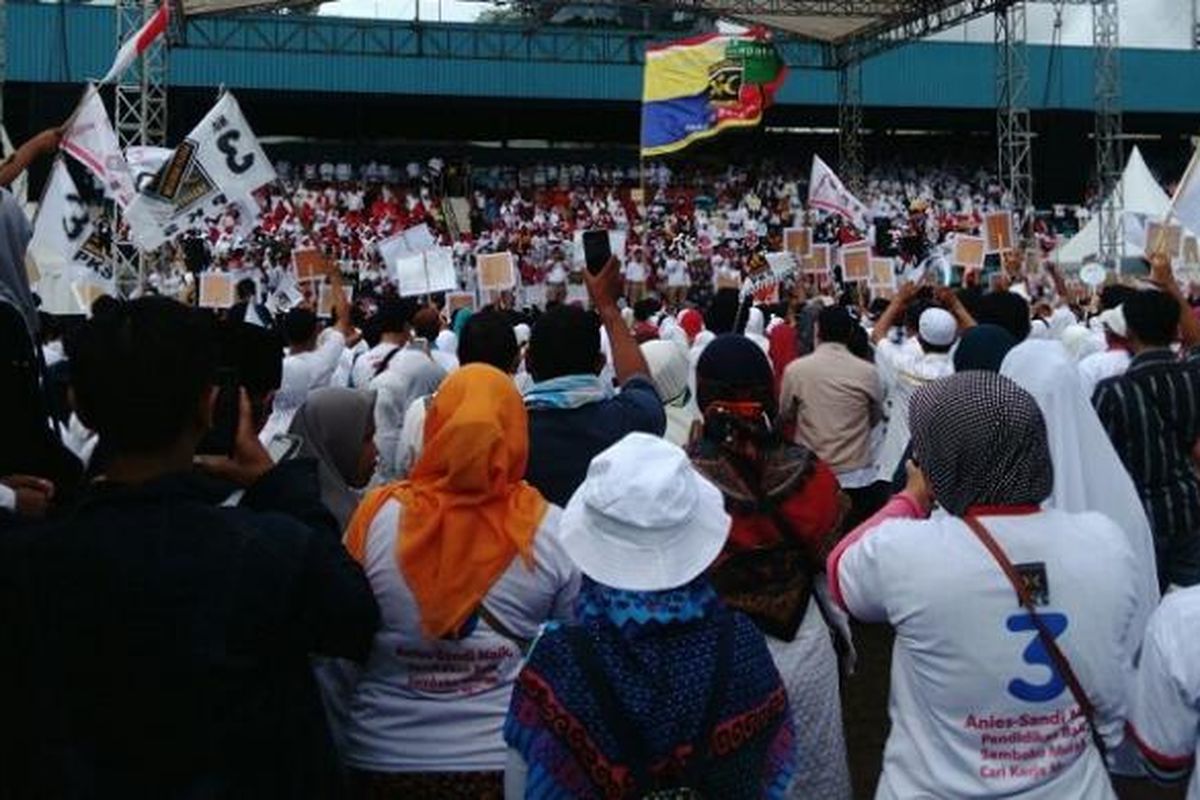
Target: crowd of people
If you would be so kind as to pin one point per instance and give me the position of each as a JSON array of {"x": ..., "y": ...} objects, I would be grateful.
[
  {"x": 417, "y": 551},
  {"x": 683, "y": 228}
]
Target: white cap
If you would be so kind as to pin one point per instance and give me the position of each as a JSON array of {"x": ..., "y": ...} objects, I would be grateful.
[
  {"x": 937, "y": 327},
  {"x": 1114, "y": 320},
  {"x": 644, "y": 520}
]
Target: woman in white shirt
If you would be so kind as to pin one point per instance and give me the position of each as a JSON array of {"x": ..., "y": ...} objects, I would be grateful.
[
  {"x": 1088, "y": 473},
  {"x": 977, "y": 707},
  {"x": 466, "y": 564}
]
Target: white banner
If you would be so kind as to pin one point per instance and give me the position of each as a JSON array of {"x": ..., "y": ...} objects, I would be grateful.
[
  {"x": 827, "y": 192},
  {"x": 425, "y": 273},
  {"x": 65, "y": 248},
  {"x": 219, "y": 162},
  {"x": 90, "y": 138}
]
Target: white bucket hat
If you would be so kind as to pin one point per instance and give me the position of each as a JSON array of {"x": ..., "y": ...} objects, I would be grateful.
[{"x": 644, "y": 520}]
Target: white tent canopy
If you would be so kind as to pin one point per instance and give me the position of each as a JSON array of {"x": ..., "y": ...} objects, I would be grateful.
[{"x": 1142, "y": 199}]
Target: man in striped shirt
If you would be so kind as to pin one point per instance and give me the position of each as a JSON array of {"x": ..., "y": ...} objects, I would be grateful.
[{"x": 1152, "y": 416}]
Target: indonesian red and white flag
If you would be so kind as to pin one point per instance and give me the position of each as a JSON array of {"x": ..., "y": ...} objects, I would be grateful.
[
  {"x": 139, "y": 43},
  {"x": 827, "y": 192},
  {"x": 91, "y": 140}
]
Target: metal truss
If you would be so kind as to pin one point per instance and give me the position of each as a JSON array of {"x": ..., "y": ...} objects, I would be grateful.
[
  {"x": 3, "y": 54},
  {"x": 1013, "y": 136},
  {"x": 140, "y": 117},
  {"x": 850, "y": 145},
  {"x": 408, "y": 39},
  {"x": 296, "y": 33},
  {"x": 1109, "y": 152}
]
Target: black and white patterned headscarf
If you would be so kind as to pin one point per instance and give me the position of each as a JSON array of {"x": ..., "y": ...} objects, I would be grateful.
[{"x": 981, "y": 440}]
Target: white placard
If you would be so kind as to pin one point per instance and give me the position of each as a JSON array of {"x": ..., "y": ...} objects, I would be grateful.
[
  {"x": 411, "y": 279},
  {"x": 439, "y": 267}
]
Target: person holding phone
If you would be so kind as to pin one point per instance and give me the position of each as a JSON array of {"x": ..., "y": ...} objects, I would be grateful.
[
  {"x": 164, "y": 635},
  {"x": 574, "y": 412}
]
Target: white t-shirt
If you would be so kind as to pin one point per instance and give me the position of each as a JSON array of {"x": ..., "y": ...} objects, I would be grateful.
[
  {"x": 410, "y": 374},
  {"x": 976, "y": 709},
  {"x": 1165, "y": 704},
  {"x": 422, "y": 705},
  {"x": 903, "y": 368},
  {"x": 303, "y": 372},
  {"x": 635, "y": 271},
  {"x": 677, "y": 273},
  {"x": 367, "y": 364},
  {"x": 1099, "y": 366}
]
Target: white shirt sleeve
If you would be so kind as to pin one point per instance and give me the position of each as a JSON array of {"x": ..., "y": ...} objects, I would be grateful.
[
  {"x": 330, "y": 346},
  {"x": 1164, "y": 718},
  {"x": 861, "y": 576},
  {"x": 888, "y": 356}
]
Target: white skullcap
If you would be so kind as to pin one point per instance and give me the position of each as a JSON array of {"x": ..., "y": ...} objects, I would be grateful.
[
  {"x": 937, "y": 327},
  {"x": 1114, "y": 320}
]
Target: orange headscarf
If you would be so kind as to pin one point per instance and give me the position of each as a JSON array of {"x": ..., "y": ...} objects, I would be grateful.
[{"x": 467, "y": 510}]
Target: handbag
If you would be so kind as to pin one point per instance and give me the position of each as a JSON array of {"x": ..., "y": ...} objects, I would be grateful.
[{"x": 1061, "y": 664}]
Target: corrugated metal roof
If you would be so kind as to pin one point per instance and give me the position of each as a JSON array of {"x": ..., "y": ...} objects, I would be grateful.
[{"x": 57, "y": 43}]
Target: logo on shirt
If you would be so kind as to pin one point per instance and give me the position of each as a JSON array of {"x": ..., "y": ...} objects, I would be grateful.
[{"x": 1036, "y": 655}]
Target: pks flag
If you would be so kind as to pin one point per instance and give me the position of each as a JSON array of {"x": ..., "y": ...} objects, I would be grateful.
[
  {"x": 827, "y": 192},
  {"x": 65, "y": 248},
  {"x": 90, "y": 138},
  {"x": 139, "y": 42},
  {"x": 219, "y": 162},
  {"x": 695, "y": 88}
]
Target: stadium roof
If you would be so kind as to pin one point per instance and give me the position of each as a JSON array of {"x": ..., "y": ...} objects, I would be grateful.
[{"x": 851, "y": 28}]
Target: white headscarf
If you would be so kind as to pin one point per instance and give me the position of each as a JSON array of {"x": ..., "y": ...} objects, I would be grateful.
[{"x": 1088, "y": 474}]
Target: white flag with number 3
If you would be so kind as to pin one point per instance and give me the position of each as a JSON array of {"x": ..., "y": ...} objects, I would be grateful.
[{"x": 219, "y": 162}]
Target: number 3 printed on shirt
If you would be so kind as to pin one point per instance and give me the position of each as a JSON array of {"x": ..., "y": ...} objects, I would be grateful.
[{"x": 1036, "y": 655}]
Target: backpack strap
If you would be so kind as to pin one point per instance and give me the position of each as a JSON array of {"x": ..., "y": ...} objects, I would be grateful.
[{"x": 387, "y": 360}]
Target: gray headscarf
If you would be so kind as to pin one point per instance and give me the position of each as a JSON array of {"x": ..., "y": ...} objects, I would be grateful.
[
  {"x": 981, "y": 440},
  {"x": 15, "y": 234},
  {"x": 332, "y": 428}
]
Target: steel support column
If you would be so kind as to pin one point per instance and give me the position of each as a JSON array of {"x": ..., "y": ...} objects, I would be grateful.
[
  {"x": 1013, "y": 136},
  {"x": 140, "y": 117},
  {"x": 3, "y": 54},
  {"x": 850, "y": 146},
  {"x": 1109, "y": 155}
]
